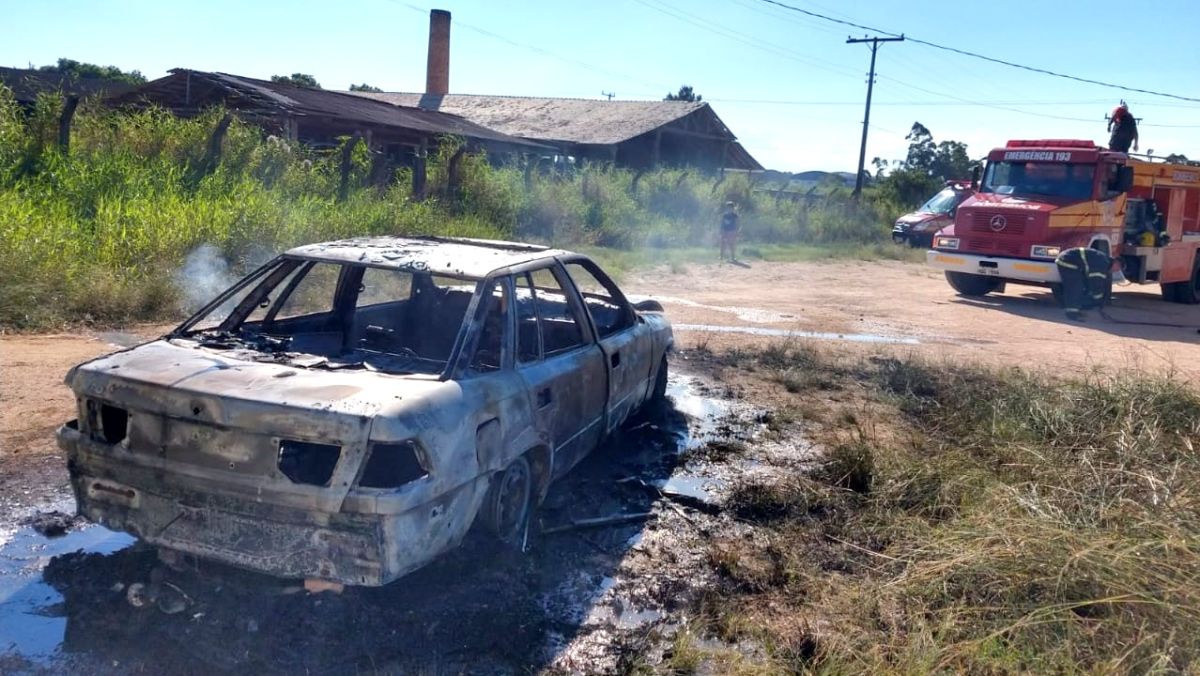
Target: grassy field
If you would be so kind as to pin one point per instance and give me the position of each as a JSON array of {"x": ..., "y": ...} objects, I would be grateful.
[
  {"x": 95, "y": 235},
  {"x": 965, "y": 520}
]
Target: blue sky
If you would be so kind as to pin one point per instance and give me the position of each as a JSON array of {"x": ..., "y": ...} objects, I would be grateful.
[{"x": 786, "y": 84}]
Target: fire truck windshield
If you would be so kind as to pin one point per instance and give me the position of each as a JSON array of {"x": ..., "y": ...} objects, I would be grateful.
[{"x": 1049, "y": 179}]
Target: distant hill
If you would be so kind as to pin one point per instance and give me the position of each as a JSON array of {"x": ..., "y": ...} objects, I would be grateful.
[{"x": 806, "y": 179}]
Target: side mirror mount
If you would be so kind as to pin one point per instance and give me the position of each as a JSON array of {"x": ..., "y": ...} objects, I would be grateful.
[
  {"x": 1124, "y": 182},
  {"x": 648, "y": 305}
]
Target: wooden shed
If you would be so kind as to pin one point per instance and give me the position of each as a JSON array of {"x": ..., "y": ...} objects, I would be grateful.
[
  {"x": 316, "y": 117},
  {"x": 629, "y": 133}
]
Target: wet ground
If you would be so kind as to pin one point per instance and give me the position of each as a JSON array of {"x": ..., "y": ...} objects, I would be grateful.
[{"x": 96, "y": 602}]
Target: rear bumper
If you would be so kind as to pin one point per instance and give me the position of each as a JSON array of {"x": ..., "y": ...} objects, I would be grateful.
[
  {"x": 352, "y": 548},
  {"x": 1012, "y": 269}
]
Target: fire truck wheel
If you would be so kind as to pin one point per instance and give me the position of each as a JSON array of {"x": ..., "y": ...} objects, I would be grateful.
[
  {"x": 972, "y": 285},
  {"x": 1188, "y": 293}
]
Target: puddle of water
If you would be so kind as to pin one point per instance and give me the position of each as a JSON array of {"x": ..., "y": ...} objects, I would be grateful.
[
  {"x": 793, "y": 333},
  {"x": 703, "y": 411},
  {"x": 697, "y": 489},
  {"x": 747, "y": 314},
  {"x": 32, "y": 621}
]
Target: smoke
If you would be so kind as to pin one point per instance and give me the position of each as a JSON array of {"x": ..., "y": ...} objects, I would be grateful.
[{"x": 205, "y": 273}]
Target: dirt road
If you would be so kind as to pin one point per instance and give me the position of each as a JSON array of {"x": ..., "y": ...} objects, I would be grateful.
[{"x": 892, "y": 305}]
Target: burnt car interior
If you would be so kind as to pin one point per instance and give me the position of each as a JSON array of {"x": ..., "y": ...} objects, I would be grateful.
[{"x": 327, "y": 315}]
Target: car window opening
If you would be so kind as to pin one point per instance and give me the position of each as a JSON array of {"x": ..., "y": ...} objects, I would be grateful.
[{"x": 315, "y": 314}]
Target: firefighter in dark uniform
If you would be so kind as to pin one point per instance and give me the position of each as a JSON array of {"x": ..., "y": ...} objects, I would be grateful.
[
  {"x": 1085, "y": 274},
  {"x": 1123, "y": 128}
]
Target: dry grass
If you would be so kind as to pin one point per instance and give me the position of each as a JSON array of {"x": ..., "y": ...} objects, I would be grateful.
[{"x": 1011, "y": 523}]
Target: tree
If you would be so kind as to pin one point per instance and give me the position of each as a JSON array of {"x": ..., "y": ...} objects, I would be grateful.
[
  {"x": 298, "y": 79},
  {"x": 686, "y": 93},
  {"x": 941, "y": 161},
  {"x": 364, "y": 88},
  {"x": 77, "y": 70},
  {"x": 1176, "y": 157}
]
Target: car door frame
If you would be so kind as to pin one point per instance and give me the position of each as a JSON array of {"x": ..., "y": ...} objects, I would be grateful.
[
  {"x": 628, "y": 354},
  {"x": 571, "y": 448}
]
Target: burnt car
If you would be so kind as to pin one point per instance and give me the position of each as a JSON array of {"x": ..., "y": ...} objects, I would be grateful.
[
  {"x": 350, "y": 409},
  {"x": 918, "y": 227}
]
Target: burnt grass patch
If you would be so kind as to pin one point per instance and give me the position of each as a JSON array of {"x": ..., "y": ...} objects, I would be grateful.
[{"x": 962, "y": 519}]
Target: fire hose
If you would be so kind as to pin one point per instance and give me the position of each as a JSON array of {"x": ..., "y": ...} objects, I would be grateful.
[
  {"x": 1170, "y": 325},
  {"x": 1132, "y": 322}
]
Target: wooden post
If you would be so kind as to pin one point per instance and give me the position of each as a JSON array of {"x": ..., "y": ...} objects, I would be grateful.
[
  {"x": 212, "y": 156},
  {"x": 64, "y": 123},
  {"x": 418, "y": 174},
  {"x": 454, "y": 174},
  {"x": 380, "y": 169},
  {"x": 633, "y": 186},
  {"x": 531, "y": 163},
  {"x": 347, "y": 157}
]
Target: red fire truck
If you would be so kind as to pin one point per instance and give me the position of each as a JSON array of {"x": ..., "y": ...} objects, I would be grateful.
[{"x": 1038, "y": 198}]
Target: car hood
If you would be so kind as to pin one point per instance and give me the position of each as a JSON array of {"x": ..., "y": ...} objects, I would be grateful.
[{"x": 918, "y": 217}]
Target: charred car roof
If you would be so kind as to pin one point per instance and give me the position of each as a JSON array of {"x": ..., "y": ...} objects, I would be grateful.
[{"x": 454, "y": 256}]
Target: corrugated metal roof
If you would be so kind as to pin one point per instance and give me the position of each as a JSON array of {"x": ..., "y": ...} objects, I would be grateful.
[
  {"x": 586, "y": 121},
  {"x": 26, "y": 84},
  {"x": 286, "y": 98}
]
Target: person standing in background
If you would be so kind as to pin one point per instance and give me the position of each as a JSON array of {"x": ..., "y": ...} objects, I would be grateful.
[{"x": 729, "y": 231}]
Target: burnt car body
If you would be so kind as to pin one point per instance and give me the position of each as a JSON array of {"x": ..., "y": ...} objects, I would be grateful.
[
  {"x": 348, "y": 411},
  {"x": 917, "y": 228}
]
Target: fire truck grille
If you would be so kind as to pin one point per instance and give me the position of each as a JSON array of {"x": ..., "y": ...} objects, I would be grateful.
[
  {"x": 982, "y": 221},
  {"x": 993, "y": 246}
]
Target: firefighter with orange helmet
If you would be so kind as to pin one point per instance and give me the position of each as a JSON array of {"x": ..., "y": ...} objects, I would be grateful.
[{"x": 1123, "y": 128}]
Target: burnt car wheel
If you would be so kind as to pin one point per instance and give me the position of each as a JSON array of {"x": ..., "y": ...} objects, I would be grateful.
[
  {"x": 508, "y": 502},
  {"x": 972, "y": 285},
  {"x": 660, "y": 383}
]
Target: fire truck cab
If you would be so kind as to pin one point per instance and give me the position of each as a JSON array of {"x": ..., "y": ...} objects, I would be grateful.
[{"x": 1038, "y": 198}]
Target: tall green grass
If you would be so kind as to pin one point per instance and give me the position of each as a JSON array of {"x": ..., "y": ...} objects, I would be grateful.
[
  {"x": 95, "y": 234},
  {"x": 970, "y": 520}
]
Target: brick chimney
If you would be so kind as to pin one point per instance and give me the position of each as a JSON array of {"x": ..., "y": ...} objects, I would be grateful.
[{"x": 437, "y": 70}]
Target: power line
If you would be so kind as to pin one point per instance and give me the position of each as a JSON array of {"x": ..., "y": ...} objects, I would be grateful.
[
  {"x": 974, "y": 55},
  {"x": 743, "y": 38},
  {"x": 683, "y": 15},
  {"x": 1018, "y": 110}
]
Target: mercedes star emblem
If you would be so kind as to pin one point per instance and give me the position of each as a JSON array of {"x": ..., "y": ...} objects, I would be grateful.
[{"x": 997, "y": 223}]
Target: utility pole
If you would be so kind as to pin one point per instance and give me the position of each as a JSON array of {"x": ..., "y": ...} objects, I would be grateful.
[
  {"x": 610, "y": 95},
  {"x": 862, "y": 150}
]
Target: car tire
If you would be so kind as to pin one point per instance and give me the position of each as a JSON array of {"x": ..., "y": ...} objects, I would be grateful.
[
  {"x": 659, "y": 394},
  {"x": 974, "y": 286},
  {"x": 509, "y": 503}
]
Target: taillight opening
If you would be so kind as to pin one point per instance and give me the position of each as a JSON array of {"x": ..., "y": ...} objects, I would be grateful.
[
  {"x": 106, "y": 423},
  {"x": 392, "y": 466},
  {"x": 305, "y": 462}
]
